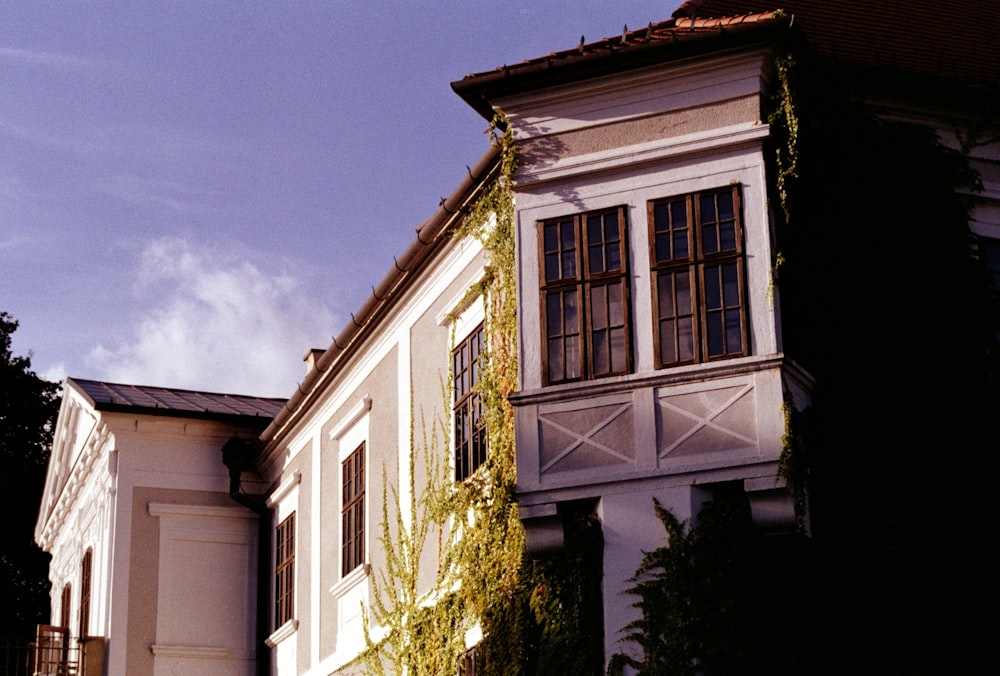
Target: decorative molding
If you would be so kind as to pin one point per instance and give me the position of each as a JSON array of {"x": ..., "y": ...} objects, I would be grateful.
[
  {"x": 290, "y": 483},
  {"x": 352, "y": 579},
  {"x": 189, "y": 652},
  {"x": 352, "y": 417},
  {"x": 209, "y": 511},
  {"x": 651, "y": 151},
  {"x": 455, "y": 307},
  {"x": 282, "y": 632},
  {"x": 674, "y": 376}
]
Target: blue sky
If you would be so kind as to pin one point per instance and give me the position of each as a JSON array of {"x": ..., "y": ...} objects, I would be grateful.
[{"x": 196, "y": 193}]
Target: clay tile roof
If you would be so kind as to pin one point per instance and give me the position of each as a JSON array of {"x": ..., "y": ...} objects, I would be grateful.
[
  {"x": 656, "y": 42},
  {"x": 957, "y": 39},
  {"x": 183, "y": 403}
]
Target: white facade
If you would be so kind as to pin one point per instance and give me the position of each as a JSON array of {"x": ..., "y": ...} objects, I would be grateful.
[
  {"x": 173, "y": 558},
  {"x": 665, "y": 433}
]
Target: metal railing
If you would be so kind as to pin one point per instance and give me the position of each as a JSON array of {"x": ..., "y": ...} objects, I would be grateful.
[{"x": 51, "y": 652}]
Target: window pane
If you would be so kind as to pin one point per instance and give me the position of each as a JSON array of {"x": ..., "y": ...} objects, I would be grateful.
[
  {"x": 730, "y": 285},
  {"x": 685, "y": 338},
  {"x": 551, "y": 236},
  {"x": 665, "y": 295},
  {"x": 567, "y": 235},
  {"x": 713, "y": 292},
  {"x": 734, "y": 334},
  {"x": 555, "y": 359},
  {"x": 725, "y": 203},
  {"x": 727, "y": 235},
  {"x": 602, "y": 359},
  {"x": 678, "y": 214},
  {"x": 707, "y": 208},
  {"x": 568, "y": 265},
  {"x": 599, "y": 307},
  {"x": 714, "y": 334},
  {"x": 668, "y": 347},
  {"x": 683, "y": 282},
  {"x": 616, "y": 306},
  {"x": 553, "y": 314},
  {"x": 681, "y": 248},
  {"x": 572, "y": 358},
  {"x": 572, "y": 316},
  {"x": 551, "y": 267},
  {"x": 709, "y": 239},
  {"x": 614, "y": 256},
  {"x": 619, "y": 362},
  {"x": 612, "y": 238}
]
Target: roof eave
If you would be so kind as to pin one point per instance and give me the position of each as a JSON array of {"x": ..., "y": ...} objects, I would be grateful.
[{"x": 480, "y": 90}]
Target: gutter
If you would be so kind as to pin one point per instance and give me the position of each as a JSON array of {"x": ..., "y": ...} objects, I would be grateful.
[{"x": 430, "y": 236}]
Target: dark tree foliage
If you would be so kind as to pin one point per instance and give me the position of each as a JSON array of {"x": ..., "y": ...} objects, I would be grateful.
[
  {"x": 720, "y": 598},
  {"x": 28, "y": 409},
  {"x": 553, "y": 622},
  {"x": 885, "y": 302}
]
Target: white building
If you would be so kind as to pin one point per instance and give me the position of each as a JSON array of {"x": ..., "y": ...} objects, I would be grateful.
[{"x": 652, "y": 364}]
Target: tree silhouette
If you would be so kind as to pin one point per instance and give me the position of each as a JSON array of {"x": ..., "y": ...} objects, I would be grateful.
[{"x": 29, "y": 405}]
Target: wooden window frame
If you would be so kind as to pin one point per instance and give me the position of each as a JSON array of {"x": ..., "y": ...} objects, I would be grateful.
[
  {"x": 86, "y": 580},
  {"x": 581, "y": 352},
  {"x": 353, "y": 511},
  {"x": 670, "y": 262},
  {"x": 469, "y": 420},
  {"x": 284, "y": 571},
  {"x": 65, "y": 606}
]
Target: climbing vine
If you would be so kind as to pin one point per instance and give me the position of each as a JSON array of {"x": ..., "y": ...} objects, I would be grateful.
[{"x": 532, "y": 614}]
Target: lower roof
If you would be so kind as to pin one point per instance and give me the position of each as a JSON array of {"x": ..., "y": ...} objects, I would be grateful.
[{"x": 177, "y": 402}]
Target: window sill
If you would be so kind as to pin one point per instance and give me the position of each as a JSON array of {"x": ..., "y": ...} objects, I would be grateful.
[
  {"x": 351, "y": 579},
  {"x": 281, "y": 633},
  {"x": 670, "y": 376}
]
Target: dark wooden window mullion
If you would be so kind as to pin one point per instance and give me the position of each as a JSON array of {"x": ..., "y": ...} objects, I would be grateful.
[
  {"x": 284, "y": 571},
  {"x": 86, "y": 575},
  {"x": 710, "y": 254},
  {"x": 353, "y": 514},
  {"x": 470, "y": 425}
]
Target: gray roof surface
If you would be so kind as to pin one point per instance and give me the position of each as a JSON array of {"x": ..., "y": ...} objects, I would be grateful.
[{"x": 166, "y": 400}]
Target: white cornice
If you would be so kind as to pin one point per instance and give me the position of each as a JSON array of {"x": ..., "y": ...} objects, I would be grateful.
[
  {"x": 210, "y": 511},
  {"x": 642, "y": 153},
  {"x": 291, "y": 482},
  {"x": 189, "y": 652},
  {"x": 352, "y": 417}
]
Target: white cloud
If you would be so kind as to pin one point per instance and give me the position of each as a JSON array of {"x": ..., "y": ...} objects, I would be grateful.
[
  {"x": 216, "y": 323},
  {"x": 37, "y": 57}
]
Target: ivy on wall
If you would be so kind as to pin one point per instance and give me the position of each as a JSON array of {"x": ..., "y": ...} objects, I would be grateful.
[{"x": 535, "y": 616}]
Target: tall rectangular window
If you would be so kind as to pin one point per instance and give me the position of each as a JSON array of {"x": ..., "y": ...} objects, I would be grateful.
[
  {"x": 697, "y": 257},
  {"x": 86, "y": 573},
  {"x": 284, "y": 571},
  {"x": 585, "y": 301},
  {"x": 64, "y": 607},
  {"x": 470, "y": 424},
  {"x": 353, "y": 511}
]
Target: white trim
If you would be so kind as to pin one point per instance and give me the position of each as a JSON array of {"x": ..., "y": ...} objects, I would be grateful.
[
  {"x": 461, "y": 302},
  {"x": 651, "y": 151},
  {"x": 351, "y": 580},
  {"x": 352, "y": 417},
  {"x": 189, "y": 652},
  {"x": 282, "y": 632},
  {"x": 170, "y": 509},
  {"x": 284, "y": 489}
]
